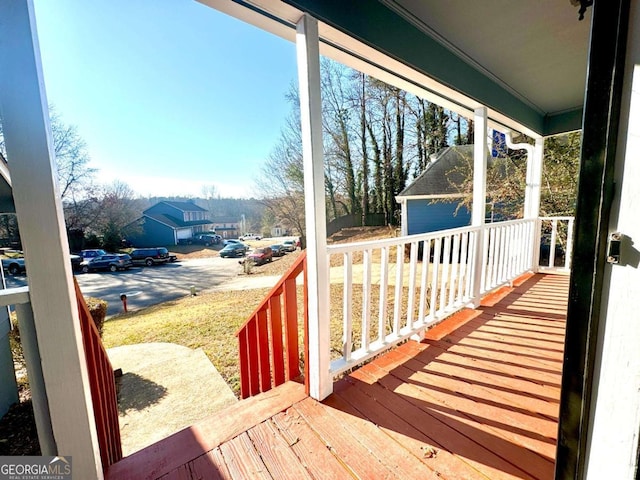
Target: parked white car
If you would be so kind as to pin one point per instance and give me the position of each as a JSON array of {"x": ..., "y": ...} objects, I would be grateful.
[{"x": 250, "y": 236}]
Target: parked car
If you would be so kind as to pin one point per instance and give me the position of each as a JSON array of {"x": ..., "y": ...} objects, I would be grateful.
[
  {"x": 149, "y": 256},
  {"x": 250, "y": 236},
  {"x": 14, "y": 265},
  {"x": 92, "y": 252},
  {"x": 261, "y": 255},
  {"x": 111, "y": 261},
  {"x": 231, "y": 240},
  {"x": 289, "y": 245},
  {"x": 234, "y": 250},
  {"x": 207, "y": 239},
  {"x": 278, "y": 250}
]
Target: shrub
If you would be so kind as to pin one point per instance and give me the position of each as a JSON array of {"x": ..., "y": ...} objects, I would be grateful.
[{"x": 98, "y": 310}]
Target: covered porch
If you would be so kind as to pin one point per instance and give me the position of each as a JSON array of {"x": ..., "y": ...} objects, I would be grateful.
[
  {"x": 480, "y": 394},
  {"x": 477, "y": 398}
]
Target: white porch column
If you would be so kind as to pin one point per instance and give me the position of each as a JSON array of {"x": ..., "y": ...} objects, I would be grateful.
[
  {"x": 29, "y": 152},
  {"x": 404, "y": 217},
  {"x": 478, "y": 206},
  {"x": 534, "y": 179},
  {"x": 308, "y": 51}
]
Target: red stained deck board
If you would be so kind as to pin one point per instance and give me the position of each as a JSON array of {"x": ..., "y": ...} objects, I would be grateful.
[
  {"x": 516, "y": 423},
  {"x": 180, "y": 448},
  {"x": 413, "y": 429},
  {"x": 308, "y": 447},
  {"x": 242, "y": 459},
  {"x": 276, "y": 454},
  {"x": 393, "y": 455},
  {"x": 453, "y": 436},
  {"x": 485, "y": 437},
  {"x": 337, "y": 438},
  {"x": 209, "y": 466}
]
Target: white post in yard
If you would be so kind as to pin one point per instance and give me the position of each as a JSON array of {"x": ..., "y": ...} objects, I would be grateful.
[
  {"x": 307, "y": 44},
  {"x": 28, "y": 144},
  {"x": 478, "y": 206}
]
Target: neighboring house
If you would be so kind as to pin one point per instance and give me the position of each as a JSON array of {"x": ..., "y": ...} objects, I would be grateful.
[
  {"x": 166, "y": 223},
  {"x": 226, "y": 227},
  {"x": 431, "y": 202},
  {"x": 278, "y": 231}
]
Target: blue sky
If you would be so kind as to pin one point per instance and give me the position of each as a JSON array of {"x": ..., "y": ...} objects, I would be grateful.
[{"x": 169, "y": 95}]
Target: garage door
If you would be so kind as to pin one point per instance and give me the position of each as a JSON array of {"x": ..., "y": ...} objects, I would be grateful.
[{"x": 183, "y": 233}]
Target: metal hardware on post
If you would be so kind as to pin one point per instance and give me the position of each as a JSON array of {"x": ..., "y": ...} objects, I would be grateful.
[{"x": 613, "y": 249}]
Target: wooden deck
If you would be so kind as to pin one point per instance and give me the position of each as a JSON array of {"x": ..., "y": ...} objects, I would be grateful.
[{"x": 478, "y": 399}]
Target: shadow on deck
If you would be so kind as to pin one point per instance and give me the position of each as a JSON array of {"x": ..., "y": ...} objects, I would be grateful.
[{"x": 477, "y": 399}]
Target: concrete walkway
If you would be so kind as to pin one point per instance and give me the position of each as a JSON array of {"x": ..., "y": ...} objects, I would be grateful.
[{"x": 164, "y": 388}]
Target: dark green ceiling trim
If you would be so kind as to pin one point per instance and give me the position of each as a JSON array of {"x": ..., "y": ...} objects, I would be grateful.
[
  {"x": 563, "y": 122},
  {"x": 377, "y": 26}
]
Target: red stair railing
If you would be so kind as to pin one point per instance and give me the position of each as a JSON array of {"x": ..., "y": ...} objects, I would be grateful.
[
  {"x": 103, "y": 386},
  {"x": 268, "y": 340}
]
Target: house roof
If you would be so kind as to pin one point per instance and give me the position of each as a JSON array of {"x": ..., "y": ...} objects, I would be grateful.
[
  {"x": 174, "y": 222},
  {"x": 442, "y": 173},
  {"x": 183, "y": 206}
]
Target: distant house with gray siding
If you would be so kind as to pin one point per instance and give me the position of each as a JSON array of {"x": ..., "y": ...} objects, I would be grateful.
[
  {"x": 430, "y": 202},
  {"x": 167, "y": 222}
]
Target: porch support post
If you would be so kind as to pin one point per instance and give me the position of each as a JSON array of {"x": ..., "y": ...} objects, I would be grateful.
[
  {"x": 534, "y": 179},
  {"x": 307, "y": 44},
  {"x": 404, "y": 217},
  {"x": 478, "y": 206},
  {"x": 535, "y": 155},
  {"x": 29, "y": 148}
]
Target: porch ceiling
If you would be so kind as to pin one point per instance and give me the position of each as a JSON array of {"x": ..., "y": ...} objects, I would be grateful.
[{"x": 526, "y": 61}]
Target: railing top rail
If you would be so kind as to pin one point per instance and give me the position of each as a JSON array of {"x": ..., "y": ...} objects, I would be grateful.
[
  {"x": 390, "y": 242},
  {"x": 293, "y": 271},
  {"x": 557, "y": 218}
]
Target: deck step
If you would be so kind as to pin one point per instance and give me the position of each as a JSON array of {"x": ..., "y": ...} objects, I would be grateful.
[{"x": 163, "y": 457}]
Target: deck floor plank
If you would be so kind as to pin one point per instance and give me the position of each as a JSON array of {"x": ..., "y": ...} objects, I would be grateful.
[
  {"x": 394, "y": 455},
  {"x": 242, "y": 459},
  {"x": 473, "y": 442},
  {"x": 337, "y": 437},
  {"x": 276, "y": 454},
  {"x": 308, "y": 447},
  {"x": 210, "y": 466}
]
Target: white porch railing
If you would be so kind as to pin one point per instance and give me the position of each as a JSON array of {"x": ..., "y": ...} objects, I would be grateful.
[
  {"x": 556, "y": 243},
  {"x": 395, "y": 288}
]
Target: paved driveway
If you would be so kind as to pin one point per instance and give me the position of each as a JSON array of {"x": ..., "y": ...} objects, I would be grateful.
[
  {"x": 151, "y": 285},
  {"x": 146, "y": 286}
]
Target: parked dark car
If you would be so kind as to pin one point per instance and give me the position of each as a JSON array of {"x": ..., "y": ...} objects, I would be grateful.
[
  {"x": 92, "y": 252},
  {"x": 14, "y": 265},
  {"x": 149, "y": 256},
  {"x": 277, "y": 250},
  {"x": 111, "y": 261},
  {"x": 261, "y": 255},
  {"x": 234, "y": 250},
  {"x": 207, "y": 239}
]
